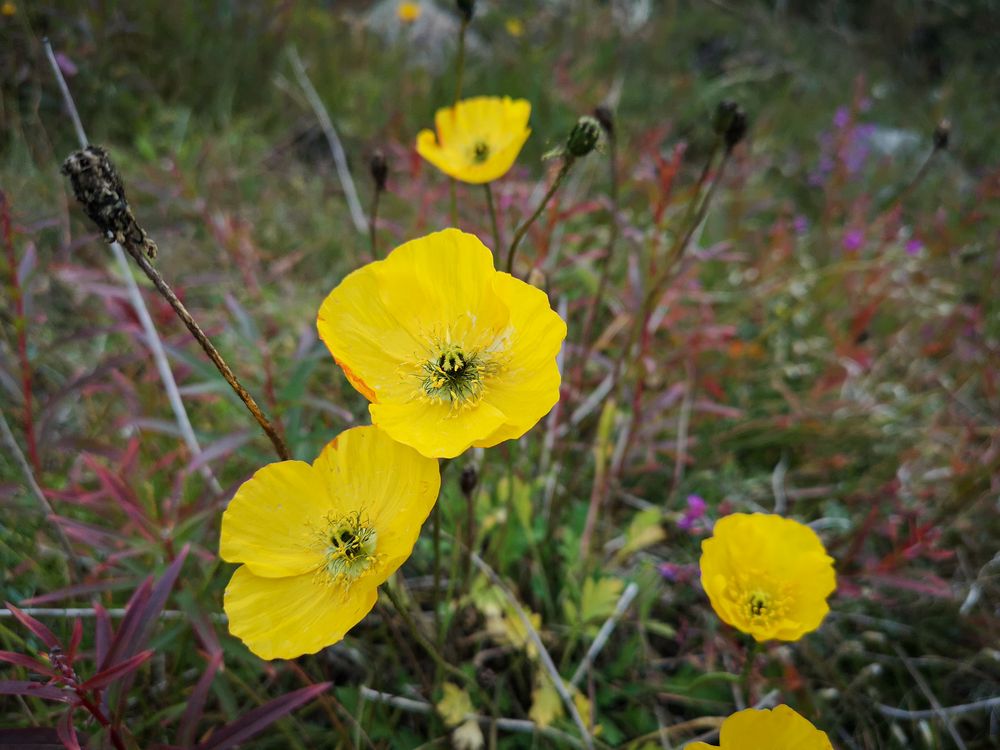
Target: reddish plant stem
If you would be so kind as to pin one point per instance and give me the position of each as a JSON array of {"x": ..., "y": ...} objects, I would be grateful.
[{"x": 21, "y": 328}]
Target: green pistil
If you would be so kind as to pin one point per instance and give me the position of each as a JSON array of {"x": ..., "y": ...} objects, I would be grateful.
[
  {"x": 454, "y": 376},
  {"x": 481, "y": 153},
  {"x": 350, "y": 548}
]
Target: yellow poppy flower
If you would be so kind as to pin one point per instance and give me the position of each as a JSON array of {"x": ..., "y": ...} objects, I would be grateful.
[
  {"x": 317, "y": 540},
  {"x": 478, "y": 139},
  {"x": 450, "y": 352},
  {"x": 778, "y": 729},
  {"x": 408, "y": 12},
  {"x": 767, "y": 576}
]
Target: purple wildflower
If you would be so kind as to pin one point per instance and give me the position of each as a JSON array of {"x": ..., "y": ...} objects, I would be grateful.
[{"x": 853, "y": 240}]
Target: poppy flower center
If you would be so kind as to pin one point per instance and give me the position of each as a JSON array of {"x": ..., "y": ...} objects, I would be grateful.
[
  {"x": 454, "y": 375},
  {"x": 349, "y": 548},
  {"x": 481, "y": 153}
]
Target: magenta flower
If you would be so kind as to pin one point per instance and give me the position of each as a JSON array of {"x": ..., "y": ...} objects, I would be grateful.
[
  {"x": 693, "y": 514},
  {"x": 853, "y": 240}
]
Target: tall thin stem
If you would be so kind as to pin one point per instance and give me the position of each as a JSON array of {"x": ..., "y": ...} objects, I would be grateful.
[
  {"x": 372, "y": 220},
  {"x": 152, "y": 336},
  {"x": 459, "y": 74},
  {"x": 209, "y": 348},
  {"x": 568, "y": 161},
  {"x": 493, "y": 215}
]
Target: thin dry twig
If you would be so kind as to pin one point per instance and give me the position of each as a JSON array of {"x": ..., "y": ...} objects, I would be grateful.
[
  {"x": 336, "y": 147},
  {"x": 939, "y": 711},
  {"x": 543, "y": 654},
  {"x": 604, "y": 633},
  {"x": 135, "y": 299},
  {"x": 73, "y": 565},
  {"x": 511, "y": 725}
]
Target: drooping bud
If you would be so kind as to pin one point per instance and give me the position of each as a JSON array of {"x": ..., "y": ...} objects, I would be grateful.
[
  {"x": 468, "y": 480},
  {"x": 724, "y": 112},
  {"x": 467, "y": 8},
  {"x": 584, "y": 136},
  {"x": 100, "y": 190},
  {"x": 379, "y": 169},
  {"x": 942, "y": 134},
  {"x": 604, "y": 115},
  {"x": 737, "y": 128}
]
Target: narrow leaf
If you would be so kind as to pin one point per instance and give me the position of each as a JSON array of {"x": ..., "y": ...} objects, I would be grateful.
[
  {"x": 196, "y": 701},
  {"x": 35, "y": 690},
  {"x": 256, "y": 721},
  {"x": 27, "y": 662},
  {"x": 43, "y": 633},
  {"x": 102, "y": 679},
  {"x": 66, "y": 731}
]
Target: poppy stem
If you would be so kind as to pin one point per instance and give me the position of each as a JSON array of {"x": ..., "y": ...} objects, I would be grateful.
[
  {"x": 372, "y": 219},
  {"x": 493, "y": 215},
  {"x": 209, "y": 348},
  {"x": 747, "y": 672},
  {"x": 568, "y": 161}
]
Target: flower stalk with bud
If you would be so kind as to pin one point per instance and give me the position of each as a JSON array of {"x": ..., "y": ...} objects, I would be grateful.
[{"x": 583, "y": 139}]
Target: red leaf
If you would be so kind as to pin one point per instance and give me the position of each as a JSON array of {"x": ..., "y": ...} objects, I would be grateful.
[
  {"x": 66, "y": 731},
  {"x": 101, "y": 679},
  {"x": 74, "y": 640},
  {"x": 43, "y": 633},
  {"x": 128, "y": 626},
  {"x": 196, "y": 701},
  {"x": 68, "y": 592},
  {"x": 102, "y": 633},
  {"x": 35, "y": 690},
  {"x": 256, "y": 721},
  {"x": 28, "y": 663}
]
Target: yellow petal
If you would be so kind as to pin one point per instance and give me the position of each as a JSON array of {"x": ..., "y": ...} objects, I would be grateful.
[
  {"x": 270, "y": 523},
  {"x": 499, "y": 124},
  {"x": 366, "y": 338},
  {"x": 529, "y": 386},
  {"x": 282, "y": 618},
  {"x": 778, "y": 729},
  {"x": 391, "y": 486},
  {"x": 437, "y": 429}
]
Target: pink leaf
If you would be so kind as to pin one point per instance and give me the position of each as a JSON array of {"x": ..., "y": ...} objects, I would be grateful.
[
  {"x": 66, "y": 731},
  {"x": 104, "y": 678},
  {"x": 256, "y": 721},
  {"x": 35, "y": 690},
  {"x": 27, "y": 662},
  {"x": 43, "y": 633}
]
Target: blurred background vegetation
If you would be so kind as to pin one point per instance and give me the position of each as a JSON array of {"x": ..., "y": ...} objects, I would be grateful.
[{"x": 826, "y": 345}]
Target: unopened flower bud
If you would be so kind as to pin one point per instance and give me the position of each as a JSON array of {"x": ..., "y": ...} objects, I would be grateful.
[
  {"x": 737, "y": 128},
  {"x": 379, "y": 169},
  {"x": 724, "y": 112},
  {"x": 467, "y": 8},
  {"x": 584, "y": 136},
  {"x": 942, "y": 134},
  {"x": 468, "y": 480},
  {"x": 606, "y": 117}
]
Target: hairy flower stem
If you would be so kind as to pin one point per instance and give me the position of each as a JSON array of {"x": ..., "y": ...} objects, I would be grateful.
[
  {"x": 135, "y": 298},
  {"x": 640, "y": 331},
  {"x": 567, "y": 164},
  {"x": 213, "y": 354},
  {"x": 459, "y": 73},
  {"x": 493, "y": 215},
  {"x": 747, "y": 672},
  {"x": 595, "y": 301},
  {"x": 442, "y": 665},
  {"x": 372, "y": 219}
]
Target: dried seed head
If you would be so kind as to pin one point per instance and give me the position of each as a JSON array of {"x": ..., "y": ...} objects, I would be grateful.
[
  {"x": 466, "y": 8},
  {"x": 380, "y": 169},
  {"x": 468, "y": 480},
  {"x": 99, "y": 189},
  {"x": 604, "y": 115},
  {"x": 942, "y": 134},
  {"x": 584, "y": 136}
]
